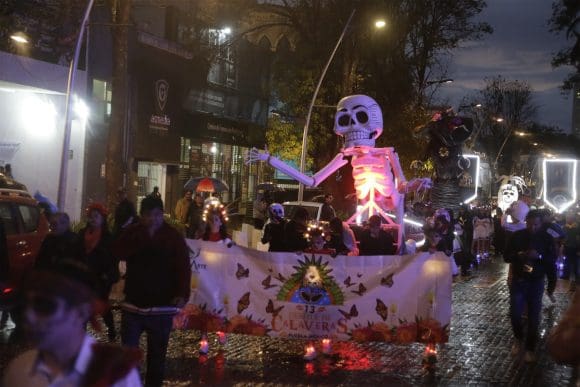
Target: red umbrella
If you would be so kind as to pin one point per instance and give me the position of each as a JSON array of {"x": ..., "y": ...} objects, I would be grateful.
[{"x": 206, "y": 184}]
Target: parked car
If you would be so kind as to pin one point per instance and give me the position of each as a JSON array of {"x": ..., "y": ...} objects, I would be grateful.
[{"x": 25, "y": 226}]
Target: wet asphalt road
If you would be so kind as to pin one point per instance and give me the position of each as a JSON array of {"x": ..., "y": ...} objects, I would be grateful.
[{"x": 478, "y": 352}]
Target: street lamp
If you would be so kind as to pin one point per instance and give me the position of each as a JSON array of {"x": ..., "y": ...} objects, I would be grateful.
[
  {"x": 444, "y": 80},
  {"x": 469, "y": 107},
  {"x": 67, "y": 112},
  {"x": 307, "y": 123},
  {"x": 378, "y": 24},
  {"x": 19, "y": 38}
]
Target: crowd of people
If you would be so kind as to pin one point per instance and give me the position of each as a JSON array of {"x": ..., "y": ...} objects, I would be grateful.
[
  {"x": 334, "y": 237},
  {"x": 75, "y": 271},
  {"x": 70, "y": 287},
  {"x": 539, "y": 247}
]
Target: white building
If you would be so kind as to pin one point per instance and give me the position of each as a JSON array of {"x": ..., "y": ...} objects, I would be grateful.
[{"x": 32, "y": 105}]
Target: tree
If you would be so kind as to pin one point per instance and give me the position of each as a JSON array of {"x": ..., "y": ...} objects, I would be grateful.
[
  {"x": 510, "y": 101},
  {"x": 285, "y": 139},
  {"x": 392, "y": 66},
  {"x": 566, "y": 18},
  {"x": 121, "y": 14}
]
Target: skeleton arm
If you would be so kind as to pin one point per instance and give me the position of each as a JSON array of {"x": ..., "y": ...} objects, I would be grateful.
[
  {"x": 258, "y": 155},
  {"x": 404, "y": 186}
]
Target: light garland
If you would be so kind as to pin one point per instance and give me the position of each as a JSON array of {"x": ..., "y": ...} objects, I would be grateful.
[
  {"x": 219, "y": 208},
  {"x": 314, "y": 230}
]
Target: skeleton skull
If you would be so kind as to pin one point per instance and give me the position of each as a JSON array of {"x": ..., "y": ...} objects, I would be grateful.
[
  {"x": 359, "y": 120},
  {"x": 312, "y": 278},
  {"x": 276, "y": 211},
  {"x": 507, "y": 195}
]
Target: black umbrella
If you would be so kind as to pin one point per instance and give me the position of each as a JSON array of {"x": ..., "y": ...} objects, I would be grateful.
[{"x": 206, "y": 184}]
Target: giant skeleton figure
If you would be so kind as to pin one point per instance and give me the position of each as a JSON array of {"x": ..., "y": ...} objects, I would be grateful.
[
  {"x": 447, "y": 133},
  {"x": 378, "y": 178}
]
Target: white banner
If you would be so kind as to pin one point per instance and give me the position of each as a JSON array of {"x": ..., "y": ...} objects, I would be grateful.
[{"x": 397, "y": 299}]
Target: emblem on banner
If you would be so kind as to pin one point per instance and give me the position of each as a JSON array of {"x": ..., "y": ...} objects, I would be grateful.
[
  {"x": 311, "y": 284},
  {"x": 161, "y": 93}
]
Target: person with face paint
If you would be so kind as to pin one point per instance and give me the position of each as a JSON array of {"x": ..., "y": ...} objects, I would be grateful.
[
  {"x": 274, "y": 228},
  {"x": 157, "y": 284},
  {"x": 215, "y": 218},
  {"x": 96, "y": 252},
  {"x": 58, "y": 303}
]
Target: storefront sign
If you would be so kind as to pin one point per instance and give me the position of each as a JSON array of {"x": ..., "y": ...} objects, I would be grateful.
[
  {"x": 160, "y": 122},
  {"x": 398, "y": 299}
]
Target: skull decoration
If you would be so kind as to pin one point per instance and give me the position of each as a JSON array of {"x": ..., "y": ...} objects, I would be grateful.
[
  {"x": 507, "y": 195},
  {"x": 359, "y": 120},
  {"x": 276, "y": 211}
]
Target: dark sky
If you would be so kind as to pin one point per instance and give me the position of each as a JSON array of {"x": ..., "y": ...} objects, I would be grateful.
[{"x": 520, "y": 48}]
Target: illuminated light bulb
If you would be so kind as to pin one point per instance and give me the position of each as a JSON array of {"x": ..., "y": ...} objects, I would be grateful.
[
  {"x": 222, "y": 337},
  {"x": 310, "y": 352},
  {"x": 326, "y": 346},
  {"x": 203, "y": 345}
]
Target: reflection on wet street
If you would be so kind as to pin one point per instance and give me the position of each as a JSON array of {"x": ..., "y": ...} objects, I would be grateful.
[{"x": 478, "y": 351}]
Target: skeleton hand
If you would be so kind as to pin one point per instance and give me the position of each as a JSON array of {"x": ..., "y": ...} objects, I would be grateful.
[
  {"x": 254, "y": 155},
  {"x": 418, "y": 184}
]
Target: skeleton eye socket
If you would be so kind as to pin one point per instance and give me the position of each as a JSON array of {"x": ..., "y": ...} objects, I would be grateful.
[
  {"x": 362, "y": 117},
  {"x": 344, "y": 120}
]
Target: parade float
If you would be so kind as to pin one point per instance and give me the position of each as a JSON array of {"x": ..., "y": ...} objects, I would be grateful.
[
  {"x": 400, "y": 298},
  {"x": 446, "y": 135}
]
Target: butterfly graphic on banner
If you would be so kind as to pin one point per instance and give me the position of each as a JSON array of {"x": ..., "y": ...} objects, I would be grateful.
[
  {"x": 311, "y": 295},
  {"x": 244, "y": 302},
  {"x": 274, "y": 311},
  {"x": 388, "y": 280},
  {"x": 352, "y": 313},
  {"x": 266, "y": 283},
  {"x": 348, "y": 282},
  {"x": 242, "y": 272},
  {"x": 361, "y": 290},
  {"x": 382, "y": 309}
]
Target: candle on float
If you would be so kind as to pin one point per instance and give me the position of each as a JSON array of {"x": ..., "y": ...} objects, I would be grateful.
[
  {"x": 310, "y": 352},
  {"x": 203, "y": 345},
  {"x": 326, "y": 346},
  {"x": 222, "y": 337}
]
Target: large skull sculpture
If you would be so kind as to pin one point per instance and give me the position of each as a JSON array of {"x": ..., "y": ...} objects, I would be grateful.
[{"x": 359, "y": 120}]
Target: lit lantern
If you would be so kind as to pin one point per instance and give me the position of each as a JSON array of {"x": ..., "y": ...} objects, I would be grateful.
[
  {"x": 222, "y": 338},
  {"x": 203, "y": 345},
  {"x": 430, "y": 357},
  {"x": 326, "y": 346},
  {"x": 310, "y": 352}
]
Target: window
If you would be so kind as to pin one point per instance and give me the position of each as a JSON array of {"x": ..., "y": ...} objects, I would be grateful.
[
  {"x": 10, "y": 224},
  {"x": 223, "y": 70},
  {"x": 102, "y": 96},
  {"x": 222, "y": 161},
  {"x": 29, "y": 216}
]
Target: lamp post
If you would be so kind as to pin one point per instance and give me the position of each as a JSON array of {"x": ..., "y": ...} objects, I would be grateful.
[
  {"x": 61, "y": 198},
  {"x": 307, "y": 123},
  {"x": 444, "y": 80}
]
